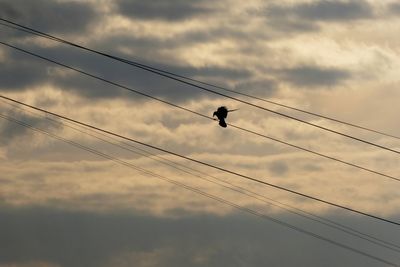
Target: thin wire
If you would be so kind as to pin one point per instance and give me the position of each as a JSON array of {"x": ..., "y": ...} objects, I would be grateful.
[
  {"x": 269, "y": 101},
  {"x": 200, "y": 114},
  {"x": 270, "y": 110},
  {"x": 177, "y": 77},
  {"x": 230, "y": 186},
  {"x": 207, "y": 164},
  {"x": 198, "y": 191},
  {"x": 20, "y": 27}
]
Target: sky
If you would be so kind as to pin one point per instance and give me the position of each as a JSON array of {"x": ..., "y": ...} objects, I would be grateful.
[{"x": 63, "y": 206}]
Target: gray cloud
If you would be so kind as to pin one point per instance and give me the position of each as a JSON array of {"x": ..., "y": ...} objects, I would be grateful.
[
  {"x": 334, "y": 10},
  {"x": 144, "y": 81},
  {"x": 313, "y": 76},
  {"x": 175, "y": 10},
  {"x": 50, "y": 16},
  {"x": 19, "y": 76},
  {"x": 284, "y": 25},
  {"x": 279, "y": 168},
  {"x": 165, "y": 48},
  {"x": 87, "y": 239},
  {"x": 31, "y": 71},
  {"x": 10, "y": 130},
  {"x": 312, "y": 167},
  {"x": 394, "y": 8},
  {"x": 260, "y": 88},
  {"x": 20, "y": 71},
  {"x": 323, "y": 11},
  {"x": 304, "y": 17}
]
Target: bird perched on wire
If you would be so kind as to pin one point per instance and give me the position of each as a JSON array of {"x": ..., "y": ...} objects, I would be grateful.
[{"x": 222, "y": 113}]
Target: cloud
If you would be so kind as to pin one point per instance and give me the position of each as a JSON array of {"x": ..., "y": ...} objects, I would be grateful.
[
  {"x": 50, "y": 16},
  {"x": 289, "y": 26},
  {"x": 33, "y": 263},
  {"x": 334, "y": 10},
  {"x": 230, "y": 48},
  {"x": 176, "y": 10},
  {"x": 328, "y": 11},
  {"x": 278, "y": 168},
  {"x": 32, "y": 72},
  {"x": 20, "y": 72},
  {"x": 259, "y": 88},
  {"x": 68, "y": 238},
  {"x": 10, "y": 131},
  {"x": 304, "y": 17},
  {"x": 313, "y": 76},
  {"x": 394, "y": 8}
]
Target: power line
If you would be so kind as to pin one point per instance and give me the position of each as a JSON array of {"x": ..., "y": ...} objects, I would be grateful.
[
  {"x": 20, "y": 27},
  {"x": 200, "y": 114},
  {"x": 187, "y": 81},
  {"x": 218, "y": 181},
  {"x": 207, "y": 164},
  {"x": 269, "y": 101},
  {"x": 272, "y": 103},
  {"x": 198, "y": 191},
  {"x": 270, "y": 110}
]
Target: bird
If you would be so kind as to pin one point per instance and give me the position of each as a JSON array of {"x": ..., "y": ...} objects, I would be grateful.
[{"x": 222, "y": 113}]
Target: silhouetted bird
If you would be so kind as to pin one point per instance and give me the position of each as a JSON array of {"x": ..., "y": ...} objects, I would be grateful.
[{"x": 222, "y": 113}]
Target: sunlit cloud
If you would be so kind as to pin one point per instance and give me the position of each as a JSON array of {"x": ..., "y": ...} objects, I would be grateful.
[{"x": 336, "y": 58}]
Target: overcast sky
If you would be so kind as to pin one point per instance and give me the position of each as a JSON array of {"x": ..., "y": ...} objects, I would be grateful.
[{"x": 62, "y": 206}]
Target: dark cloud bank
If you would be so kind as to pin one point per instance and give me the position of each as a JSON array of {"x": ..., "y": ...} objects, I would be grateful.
[
  {"x": 314, "y": 76},
  {"x": 323, "y": 11},
  {"x": 48, "y": 15},
  {"x": 88, "y": 239},
  {"x": 305, "y": 17},
  {"x": 23, "y": 71},
  {"x": 172, "y": 10}
]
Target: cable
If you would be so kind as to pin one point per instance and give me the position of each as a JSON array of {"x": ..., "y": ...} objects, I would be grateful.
[
  {"x": 48, "y": 36},
  {"x": 107, "y": 81},
  {"x": 270, "y": 101},
  {"x": 230, "y": 186},
  {"x": 207, "y": 164},
  {"x": 200, "y": 114},
  {"x": 276, "y": 104},
  {"x": 270, "y": 110},
  {"x": 177, "y": 78},
  {"x": 198, "y": 191}
]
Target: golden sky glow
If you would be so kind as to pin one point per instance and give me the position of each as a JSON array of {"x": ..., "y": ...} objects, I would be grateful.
[{"x": 337, "y": 58}]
